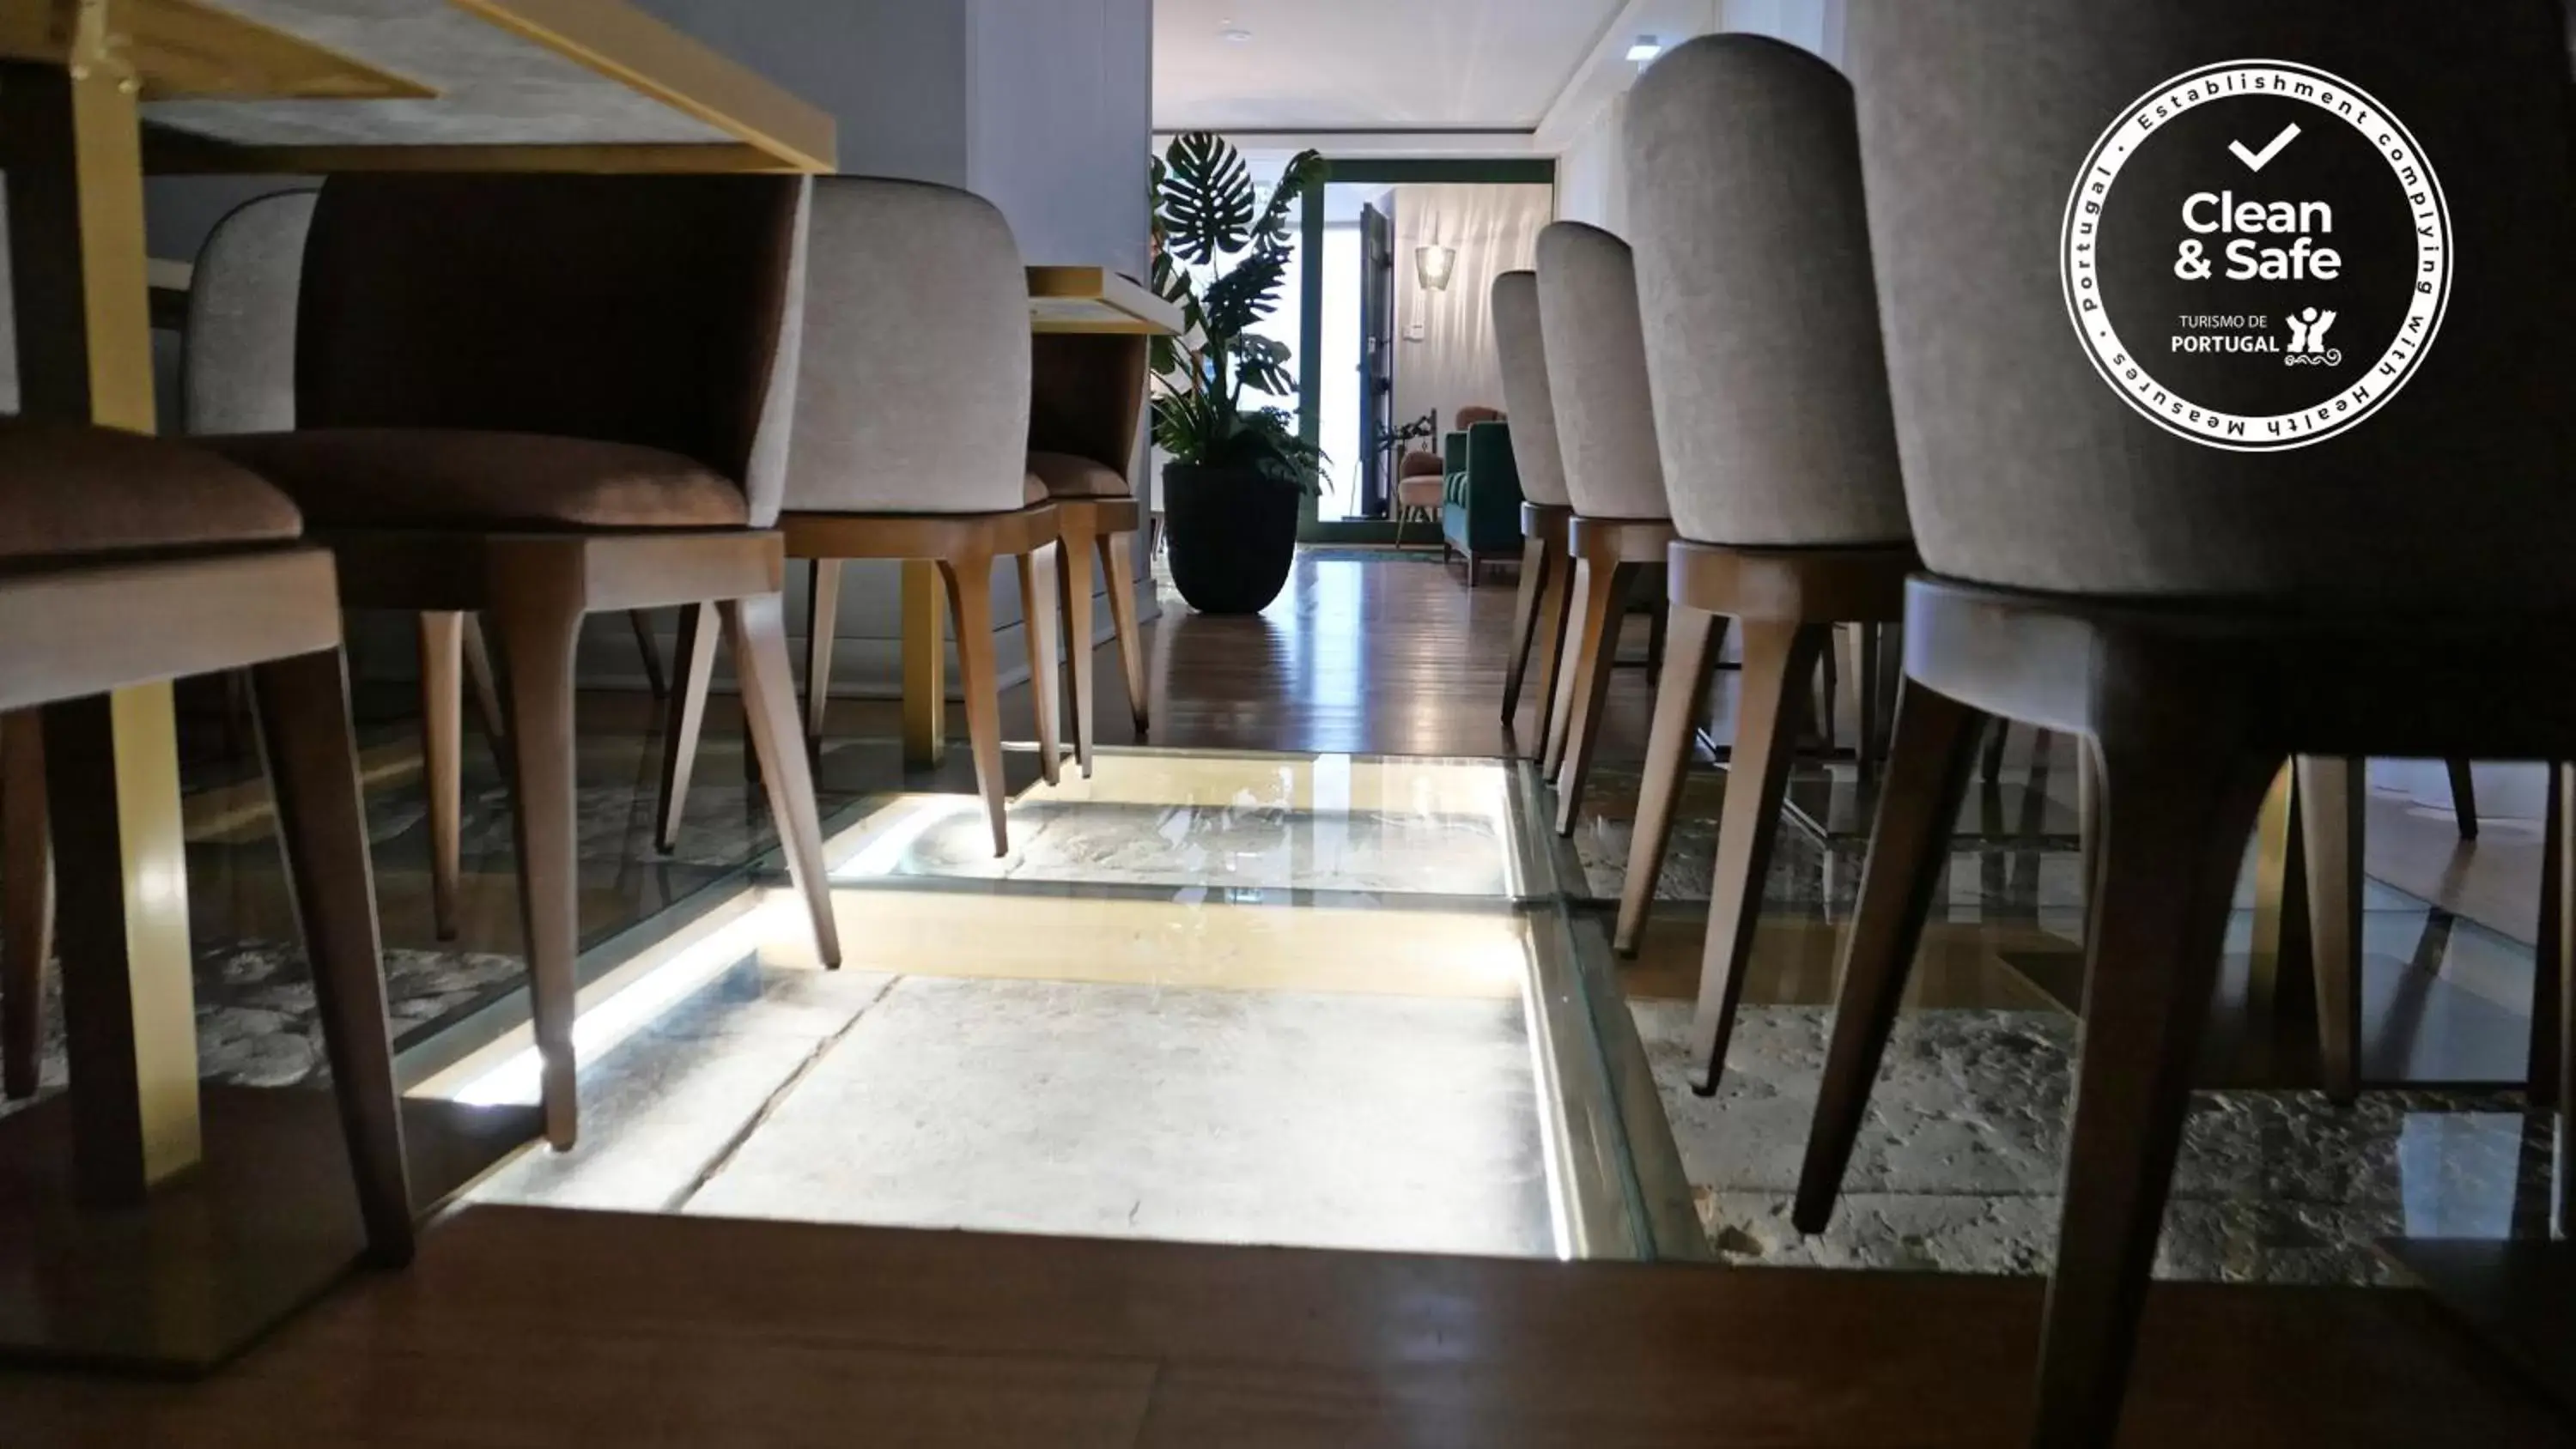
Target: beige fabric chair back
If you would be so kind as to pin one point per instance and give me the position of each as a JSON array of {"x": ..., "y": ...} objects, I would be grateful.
[
  {"x": 1760, "y": 313},
  {"x": 1524, "y": 358},
  {"x": 237, "y": 368},
  {"x": 914, "y": 392},
  {"x": 2023, "y": 467},
  {"x": 1596, "y": 369},
  {"x": 661, "y": 311}
]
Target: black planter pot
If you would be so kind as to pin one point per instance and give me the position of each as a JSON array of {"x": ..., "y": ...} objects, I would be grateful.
[{"x": 1233, "y": 536}]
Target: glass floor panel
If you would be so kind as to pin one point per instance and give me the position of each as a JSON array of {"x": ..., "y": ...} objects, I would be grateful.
[
  {"x": 1364, "y": 1003},
  {"x": 1263, "y": 999}
]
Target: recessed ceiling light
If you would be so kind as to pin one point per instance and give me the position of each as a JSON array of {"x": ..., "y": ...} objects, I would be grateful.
[
  {"x": 1235, "y": 33},
  {"x": 1646, "y": 49}
]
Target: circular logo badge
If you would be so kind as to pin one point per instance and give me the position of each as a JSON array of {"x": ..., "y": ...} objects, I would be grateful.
[{"x": 2257, "y": 255}]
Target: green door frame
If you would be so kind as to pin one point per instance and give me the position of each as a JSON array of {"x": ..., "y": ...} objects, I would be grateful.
[{"x": 1498, "y": 171}]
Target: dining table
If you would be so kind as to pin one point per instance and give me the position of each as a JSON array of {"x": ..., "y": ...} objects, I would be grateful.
[{"x": 96, "y": 95}]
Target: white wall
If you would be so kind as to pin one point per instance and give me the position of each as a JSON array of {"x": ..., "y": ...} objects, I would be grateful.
[
  {"x": 1058, "y": 123},
  {"x": 892, "y": 72},
  {"x": 1591, "y": 169}
]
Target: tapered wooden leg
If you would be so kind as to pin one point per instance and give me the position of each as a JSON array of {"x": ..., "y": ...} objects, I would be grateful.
[
  {"x": 758, "y": 629},
  {"x": 2180, "y": 793},
  {"x": 641, "y": 621},
  {"x": 1991, "y": 768},
  {"x": 1118, "y": 561},
  {"x": 2547, "y": 985},
  {"x": 487, "y": 690},
  {"x": 26, "y": 900},
  {"x": 1524, "y": 621},
  {"x": 2330, "y": 819},
  {"x": 1678, "y": 702},
  {"x": 312, "y": 765},
  {"x": 1081, "y": 552},
  {"x": 1040, "y": 579},
  {"x": 1573, "y": 679},
  {"x": 1779, "y": 659},
  {"x": 822, "y": 627},
  {"x": 2464, "y": 798},
  {"x": 1927, "y": 771},
  {"x": 1555, "y": 597},
  {"x": 685, "y": 719},
  {"x": 537, "y": 610},
  {"x": 442, "y": 720},
  {"x": 970, "y": 604},
  {"x": 1605, "y": 589}
]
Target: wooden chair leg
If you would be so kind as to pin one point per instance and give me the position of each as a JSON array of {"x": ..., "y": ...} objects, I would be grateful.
[
  {"x": 312, "y": 764},
  {"x": 1991, "y": 768},
  {"x": 641, "y": 621},
  {"x": 2547, "y": 987},
  {"x": 2331, "y": 832},
  {"x": 1927, "y": 772},
  {"x": 442, "y": 721},
  {"x": 2464, "y": 798},
  {"x": 1779, "y": 660},
  {"x": 685, "y": 719},
  {"x": 537, "y": 610},
  {"x": 1081, "y": 552},
  {"x": 1524, "y": 621},
  {"x": 822, "y": 627},
  {"x": 1041, "y": 576},
  {"x": 1596, "y": 647},
  {"x": 758, "y": 630},
  {"x": 1555, "y": 599},
  {"x": 1560, "y": 715},
  {"x": 486, "y": 689},
  {"x": 1118, "y": 561},
  {"x": 2180, "y": 794},
  {"x": 1679, "y": 700},
  {"x": 970, "y": 606},
  {"x": 26, "y": 900}
]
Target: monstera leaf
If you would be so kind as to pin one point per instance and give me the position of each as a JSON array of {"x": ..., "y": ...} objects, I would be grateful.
[
  {"x": 1245, "y": 295},
  {"x": 1207, "y": 198},
  {"x": 1305, "y": 170},
  {"x": 1263, "y": 365}
]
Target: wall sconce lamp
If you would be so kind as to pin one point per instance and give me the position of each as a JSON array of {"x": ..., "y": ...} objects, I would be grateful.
[{"x": 1433, "y": 265}]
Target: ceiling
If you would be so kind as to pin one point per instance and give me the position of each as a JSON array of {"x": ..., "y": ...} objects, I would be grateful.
[{"x": 1368, "y": 65}]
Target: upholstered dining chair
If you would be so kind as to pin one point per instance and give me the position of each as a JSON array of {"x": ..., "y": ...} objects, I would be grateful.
[
  {"x": 1595, "y": 349},
  {"x": 2196, "y": 614},
  {"x": 1086, "y": 409},
  {"x": 127, "y": 561},
  {"x": 1538, "y": 613},
  {"x": 1779, "y": 449},
  {"x": 540, "y": 397},
  {"x": 911, "y": 424},
  {"x": 1421, "y": 478}
]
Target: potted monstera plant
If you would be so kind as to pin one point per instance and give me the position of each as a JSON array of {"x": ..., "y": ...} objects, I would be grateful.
[{"x": 1237, "y": 475}]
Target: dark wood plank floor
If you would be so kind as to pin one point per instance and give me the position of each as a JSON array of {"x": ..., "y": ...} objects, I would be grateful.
[{"x": 535, "y": 1327}]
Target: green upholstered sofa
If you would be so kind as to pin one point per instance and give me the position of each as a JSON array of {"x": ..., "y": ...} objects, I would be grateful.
[{"x": 1480, "y": 515}]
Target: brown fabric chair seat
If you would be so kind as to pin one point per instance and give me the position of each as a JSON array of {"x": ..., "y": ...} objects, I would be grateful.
[
  {"x": 67, "y": 489},
  {"x": 1067, "y": 476},
  {"x": 462, "y": 478}
]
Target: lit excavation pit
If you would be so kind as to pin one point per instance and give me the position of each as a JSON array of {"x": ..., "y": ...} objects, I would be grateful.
[{"x": 2220, "y": 213}]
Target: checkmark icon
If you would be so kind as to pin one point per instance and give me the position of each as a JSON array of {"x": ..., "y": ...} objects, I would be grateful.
[{"x": 2257, "y": 160}]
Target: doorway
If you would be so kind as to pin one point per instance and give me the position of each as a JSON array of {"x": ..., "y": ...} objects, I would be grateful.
[{"x": 1397, "y": 260}]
